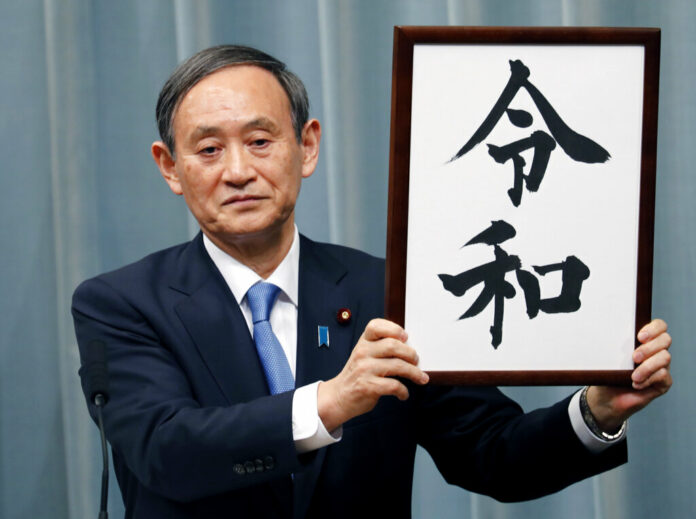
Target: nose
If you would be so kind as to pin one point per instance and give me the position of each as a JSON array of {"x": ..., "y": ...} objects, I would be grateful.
[{"x": 238, "y": 170}]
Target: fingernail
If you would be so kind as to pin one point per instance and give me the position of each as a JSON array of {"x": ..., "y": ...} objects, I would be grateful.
[
  {"x": 643, "y": 335},
  {"x": 638, "y": 357},
  {"x": 636, "y": 377},
  {"x": 425, "y": 378}
]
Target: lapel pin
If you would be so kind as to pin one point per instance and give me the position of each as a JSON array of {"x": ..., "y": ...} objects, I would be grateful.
[
  {"x": 323, "y": 336},
  {"x": 343, "y": 316}
]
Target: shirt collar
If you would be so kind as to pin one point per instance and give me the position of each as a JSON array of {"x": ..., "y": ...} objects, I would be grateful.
[{"x": 240, "y": 278}]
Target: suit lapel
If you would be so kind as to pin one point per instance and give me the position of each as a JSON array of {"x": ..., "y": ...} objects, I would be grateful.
[
  {"x": 217, "y": 327},
  {"x": 321, "y": 295}
]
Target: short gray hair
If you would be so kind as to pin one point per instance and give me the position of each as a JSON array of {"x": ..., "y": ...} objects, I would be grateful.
[{"x": 212, "y": 59}]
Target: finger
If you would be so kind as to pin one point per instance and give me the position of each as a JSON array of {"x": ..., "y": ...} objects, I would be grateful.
[
  {"x": 381, "y": 328},
  {"x": 391, "y": 386},
  {"x": 383, "y": 349},
  {"x": 651, "y": 365},
  {"x": 660, "y": 381},
  {"x": 650, "y": 348},
  {"x": 651, "y": 330},
  {"x": 398, "y": 368},
  {"x": 388, "y": 348}
]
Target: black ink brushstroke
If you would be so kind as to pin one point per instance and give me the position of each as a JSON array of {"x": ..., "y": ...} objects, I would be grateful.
[
  {"x": 532, "y": 293},
  {"x": 497, "y": 289},
  {"x": 515, "y": 192},
  {"x": 574, "y": 273},
  {"x": 459, "y": 284},
  {"x": 518, "y": 75},
  {"x": 496, "y": 233},
  {"x": 543, "y": 145},
  {"x": 577, "y": 147},
  {"x": 492, "y": 275},
  {"x": 520, "y": 118}
]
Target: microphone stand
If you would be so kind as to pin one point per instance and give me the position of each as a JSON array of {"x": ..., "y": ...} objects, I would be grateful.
[{"x": 99, "y": 401}]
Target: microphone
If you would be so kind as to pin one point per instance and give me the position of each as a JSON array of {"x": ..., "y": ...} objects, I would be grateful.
[
  {"x": 97, "y": 374},
  {"x": 98, "y": 387}
]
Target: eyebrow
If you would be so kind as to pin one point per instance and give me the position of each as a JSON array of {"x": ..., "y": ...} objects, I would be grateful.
[
  {"x": 262, "y": 123},
  {"x": 204, "y": 131}
]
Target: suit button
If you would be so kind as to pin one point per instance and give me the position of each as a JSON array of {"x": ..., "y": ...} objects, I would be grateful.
[
  {"x": 249, "y": 467},
  {"x": 239, "y": 469},
  {"x": 269, "y": 462},
  {"x": 259, "y": 465}
]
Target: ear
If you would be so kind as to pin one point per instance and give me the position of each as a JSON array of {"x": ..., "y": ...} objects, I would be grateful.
[
  {"x": 311, "y": 135},
  {"x": 167, "y": 166}
]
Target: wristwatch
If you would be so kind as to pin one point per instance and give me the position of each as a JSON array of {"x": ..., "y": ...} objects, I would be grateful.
[{"x": 592, "y": 423}]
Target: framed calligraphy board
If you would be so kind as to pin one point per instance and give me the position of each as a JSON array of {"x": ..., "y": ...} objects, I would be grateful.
[{"x": 521, "y": 200}]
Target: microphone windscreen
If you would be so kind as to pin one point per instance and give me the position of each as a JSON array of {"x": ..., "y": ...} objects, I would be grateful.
[{"x": 96, "y": 368}]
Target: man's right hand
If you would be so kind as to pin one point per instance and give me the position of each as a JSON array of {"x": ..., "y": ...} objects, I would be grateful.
[{"x": 380, "y": 355}]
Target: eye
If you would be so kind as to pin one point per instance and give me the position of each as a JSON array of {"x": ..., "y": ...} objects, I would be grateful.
[
  {"x": 208, "y": 150},
  {"x": 260, "y": 143}
]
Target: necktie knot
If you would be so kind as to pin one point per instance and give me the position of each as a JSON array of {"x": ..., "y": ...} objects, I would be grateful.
[{"x": 261, "y": 298}]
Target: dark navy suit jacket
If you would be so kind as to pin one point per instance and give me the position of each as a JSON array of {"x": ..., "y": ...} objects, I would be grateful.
[{"x": 195, "y": 434}]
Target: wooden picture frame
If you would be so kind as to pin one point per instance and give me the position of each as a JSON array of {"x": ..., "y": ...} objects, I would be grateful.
[{"x": 521, "y": 200}]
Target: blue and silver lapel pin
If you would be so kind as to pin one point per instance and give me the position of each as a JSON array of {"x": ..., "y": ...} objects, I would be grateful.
[{"x": 323, "y": 336}]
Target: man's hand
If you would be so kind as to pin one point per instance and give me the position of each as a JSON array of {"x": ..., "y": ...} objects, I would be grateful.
[
  {"x": 612, "y": 405},
  {"x": 380, "y": 355}
]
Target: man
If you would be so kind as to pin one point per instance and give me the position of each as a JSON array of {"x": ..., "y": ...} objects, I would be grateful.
[{"x": 202, "y": 417}]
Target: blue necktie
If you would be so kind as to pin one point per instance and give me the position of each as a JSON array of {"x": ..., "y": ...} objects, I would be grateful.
[{"x": 261, "y": 297}]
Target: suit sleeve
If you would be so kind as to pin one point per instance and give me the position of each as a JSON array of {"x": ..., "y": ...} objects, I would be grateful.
[
  {"x": 483, "y": 441},
  {"x": 154, "y": 422}
]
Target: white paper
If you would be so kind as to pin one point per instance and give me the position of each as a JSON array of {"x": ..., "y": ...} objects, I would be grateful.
[{"x": 586, "y": 210}]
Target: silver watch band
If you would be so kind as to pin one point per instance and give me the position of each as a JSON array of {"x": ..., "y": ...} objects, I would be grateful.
[{"x": 592, "y": 423}]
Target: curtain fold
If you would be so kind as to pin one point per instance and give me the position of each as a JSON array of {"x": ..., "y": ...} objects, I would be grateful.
[
  {"x": 81, "y": 195},
  {"x": 71, "y": 115}
]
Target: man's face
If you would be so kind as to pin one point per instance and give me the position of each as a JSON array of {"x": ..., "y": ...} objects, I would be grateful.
[{"x": 238, "y": 162}]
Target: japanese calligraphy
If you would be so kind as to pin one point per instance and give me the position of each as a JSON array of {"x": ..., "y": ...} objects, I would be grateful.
[
  {"x": 576, "y": 146},
  {"x": 495, "y": 287}
]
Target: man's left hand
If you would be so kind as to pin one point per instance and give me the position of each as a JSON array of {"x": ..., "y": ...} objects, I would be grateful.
[{"x": 611, "y": 406}]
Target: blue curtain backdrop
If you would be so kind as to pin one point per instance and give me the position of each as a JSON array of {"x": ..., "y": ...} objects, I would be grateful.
[{"x": 80, "y": 195}]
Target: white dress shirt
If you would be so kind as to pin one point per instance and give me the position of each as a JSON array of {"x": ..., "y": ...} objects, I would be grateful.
[{"x": 308, "y": 430}]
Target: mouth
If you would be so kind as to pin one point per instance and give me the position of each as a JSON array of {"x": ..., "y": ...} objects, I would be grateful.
[{"x": 241, "y": 199}]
